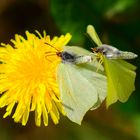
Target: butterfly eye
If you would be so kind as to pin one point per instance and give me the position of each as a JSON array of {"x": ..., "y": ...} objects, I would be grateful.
[
  {"x": 94, "y": 49},
  {"x": 59, "y": 54},
  {"x": 98, "y": 50}
]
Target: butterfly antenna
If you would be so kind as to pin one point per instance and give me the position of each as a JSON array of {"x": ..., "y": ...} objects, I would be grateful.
[
  {"x": 52, "y": 46},
  {"x": 49, "y": 53}
]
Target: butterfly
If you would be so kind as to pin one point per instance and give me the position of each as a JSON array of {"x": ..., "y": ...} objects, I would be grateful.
[
  {"x": 120, "y": 74},
  {"x": 81, "y": 87}
]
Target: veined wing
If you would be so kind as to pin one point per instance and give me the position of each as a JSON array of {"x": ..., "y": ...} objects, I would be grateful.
[
  {"x": 76, "y": 91},
  {"x": 98, "y": 80},
  {"x": 121, "y": 79},
  {"x": 94, "y": 36}
]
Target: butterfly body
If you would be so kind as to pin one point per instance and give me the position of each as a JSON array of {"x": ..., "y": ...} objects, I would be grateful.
[
  {"x": 111, "y": 52},
  {"x": 68, "y": 57}
]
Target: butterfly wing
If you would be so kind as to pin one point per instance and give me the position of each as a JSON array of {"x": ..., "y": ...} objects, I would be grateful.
[
  {"x": 77, "y": 90},
  {"x": 77, "y": 50},
  {"x": 93, "y": 35},
  {"x": 121, "y": 79},
  {"x": 98, "y": 80}
]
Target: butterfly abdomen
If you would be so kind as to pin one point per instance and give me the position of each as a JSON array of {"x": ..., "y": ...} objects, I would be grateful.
[
  {"x": 83, "y": 59},
  {"x": 127, "y": 55}
]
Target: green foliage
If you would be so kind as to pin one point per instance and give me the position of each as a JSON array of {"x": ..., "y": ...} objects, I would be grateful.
[{"x": 73, "y": 16}]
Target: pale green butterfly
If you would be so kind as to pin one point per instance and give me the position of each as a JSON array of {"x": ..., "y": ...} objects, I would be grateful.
[
  {"x": 120, "y": 74},
  {"x": 81, "y": 88}
]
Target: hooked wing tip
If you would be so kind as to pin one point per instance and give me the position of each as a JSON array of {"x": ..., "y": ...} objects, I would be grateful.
[{"x": 90, "y": 27}]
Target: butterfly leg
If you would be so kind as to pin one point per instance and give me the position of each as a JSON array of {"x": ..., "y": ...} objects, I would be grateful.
[{"x": 100, "y": 57}]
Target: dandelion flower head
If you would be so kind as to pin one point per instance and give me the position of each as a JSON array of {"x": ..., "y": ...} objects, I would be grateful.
[{"x": 28, "y": 77}]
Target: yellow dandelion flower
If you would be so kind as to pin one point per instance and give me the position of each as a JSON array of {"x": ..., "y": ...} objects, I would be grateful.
[{"x": 28, "y": 77}]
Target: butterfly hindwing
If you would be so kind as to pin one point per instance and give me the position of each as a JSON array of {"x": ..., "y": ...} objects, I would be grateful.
[
  {"x": 78, "y": 94},
  {"x": 121, "y": 79}
]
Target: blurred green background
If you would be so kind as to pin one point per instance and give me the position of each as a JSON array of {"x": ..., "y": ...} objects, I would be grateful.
[{"x": 117, "y": 22}]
